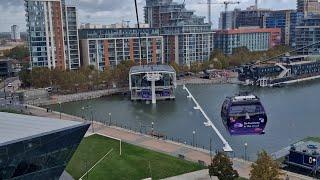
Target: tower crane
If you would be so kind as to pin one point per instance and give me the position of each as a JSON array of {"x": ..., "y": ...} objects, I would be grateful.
[{"x": 226, "y": 4}]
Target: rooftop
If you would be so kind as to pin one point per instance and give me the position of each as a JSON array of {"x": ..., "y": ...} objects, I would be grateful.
[
  {"x": 309, "y": 147},
  {"x": 151, "y": 68},
  {"x": 15, "y": 127}
]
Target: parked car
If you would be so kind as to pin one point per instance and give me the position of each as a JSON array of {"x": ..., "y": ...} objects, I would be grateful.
[
  {"x": 10, "y": 85},
  {"x": 48, "y": 89}
]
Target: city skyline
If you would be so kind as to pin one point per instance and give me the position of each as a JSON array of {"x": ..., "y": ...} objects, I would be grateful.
[{"x": 106, "y": 12}]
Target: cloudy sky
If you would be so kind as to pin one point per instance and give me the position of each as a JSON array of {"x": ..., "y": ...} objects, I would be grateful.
[{"x": 113, "y": 11}]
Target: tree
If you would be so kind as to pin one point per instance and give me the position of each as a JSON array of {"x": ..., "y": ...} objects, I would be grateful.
[
  {"x": 218, "y": 60},
  {"x": 3, "y": 42},
  {"x": 25, "y": 77},
  {"x": 18, "y": 52},
  {"x": 221, "y": 166},
  {"x": 175, "y": 66},
  {"x": 195, "y": 67},
  {"x": 121, "y": 72},
  {"x": 265, "y": 168}
]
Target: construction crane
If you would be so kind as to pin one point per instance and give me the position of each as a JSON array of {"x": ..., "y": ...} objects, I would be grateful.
[{"x": 226, "y": 4}]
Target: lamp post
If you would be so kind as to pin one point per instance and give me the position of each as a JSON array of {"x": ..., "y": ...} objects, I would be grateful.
[
  {"x": 245, "y": 151},
  {"x": 210, "y": 149},
  {"x": 91, "y": 110},
  {"x": 60, "y": 109},
  {"x": 109, "y": 119},
  {"x": 193, "y": 134},
  {"x": 152, "y": 123},
  {"x": 25, "y": 99},
  {"x": 315, "y": 167},
  {"x": 83, "y": 108}
]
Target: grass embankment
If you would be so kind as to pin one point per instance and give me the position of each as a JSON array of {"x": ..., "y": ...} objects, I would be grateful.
[
  {"x": 134, "y": 163},
  {"x": 315, "y": 139},
  {"x": 13, "y": 111}
]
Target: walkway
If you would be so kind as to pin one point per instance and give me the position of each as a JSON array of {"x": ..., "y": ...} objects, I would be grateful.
[
  {"x": 198, "y": 175},
  {"x": 165, "y": 146}
]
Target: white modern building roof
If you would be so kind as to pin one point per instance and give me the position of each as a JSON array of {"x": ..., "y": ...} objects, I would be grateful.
[
  {"x": 152, "y": 68},
  {"x": 16, "y": 127}
]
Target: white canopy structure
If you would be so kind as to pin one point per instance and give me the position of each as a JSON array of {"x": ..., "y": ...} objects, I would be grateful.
[{"x": 152, "y": 82}]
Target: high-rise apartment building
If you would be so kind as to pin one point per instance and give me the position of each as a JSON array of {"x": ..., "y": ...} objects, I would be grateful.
[
  {"x": 286, "y": 20},
  {"x": 255, "y": 39},
  {"x": 308, "y": 7},
  {"x": 187, "y": 38},
  {"x": 52, "y": 34},
  {"x": 107, "y": 47},
  {"x": 308, "y": 33},
  {"x": 15, "y": 33}
]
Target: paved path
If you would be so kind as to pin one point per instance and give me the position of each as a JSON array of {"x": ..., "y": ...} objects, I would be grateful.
[
  {"x": 285, "y": 151},
  {"x": 198, "y": 175},
  {"x": 165, "y": 146},
  {"x": 65, "y": 176}
]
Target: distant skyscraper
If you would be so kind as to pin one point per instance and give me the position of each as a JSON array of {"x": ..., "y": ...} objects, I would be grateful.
[
  {"x": 52, "y": 34},
  {"x": 15, "y": 33},
  {"x": 308, "y": 7},
  {"x": 227, "y": 20},
  {"x": 187, "y": 38}
]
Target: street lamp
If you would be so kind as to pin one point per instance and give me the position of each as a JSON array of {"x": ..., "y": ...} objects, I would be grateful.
[
  {"x": 193, "y": 134},
  {"x": 315, "y": 166},
  {"x": 109, "y": 119},
  {"x": 245, "y": 151},
  {"x": 91, "y": 111},
  {"x": 26, "y": 97},
  {"x": 60, "y": 109},
  {"x": 83, "y": 108},
  {"x": 152, "y": 123}
]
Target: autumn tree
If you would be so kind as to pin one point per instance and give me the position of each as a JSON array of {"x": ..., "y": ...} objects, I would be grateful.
[
  {"x": 175, "y": 66},
  {"x": 18, "y": 52},
  {"x": 265, "y": 168},
  {"x": 25, "y": 77},
  {"x": 221, "y": 166},
  {"x": 196, "y": 67},
  {"x": 121, "y": 72},
  {"x": 218, "y": 60}
]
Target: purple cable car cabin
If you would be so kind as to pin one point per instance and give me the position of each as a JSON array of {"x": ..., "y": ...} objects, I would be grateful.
[{"x": 244, "y": 115}]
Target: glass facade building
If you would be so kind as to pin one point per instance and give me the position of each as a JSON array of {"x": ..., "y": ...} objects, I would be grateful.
[
  {"x": 187, "y": 38},
  {"x": 307, "y": 33},
  {"x": 36, "y": 147},
  {"x": 286, "y": 20},
  {"x": 255, "y": 39},
  {"x": 52, "y": 34}
]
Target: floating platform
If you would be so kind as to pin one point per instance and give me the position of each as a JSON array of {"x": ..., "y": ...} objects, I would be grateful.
[
  {"x": 304, "y": 155},
  {"x": 152, "y": 82}
]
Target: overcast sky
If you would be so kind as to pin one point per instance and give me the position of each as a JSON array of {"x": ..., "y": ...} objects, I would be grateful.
[{"x": 113, "y": 11}]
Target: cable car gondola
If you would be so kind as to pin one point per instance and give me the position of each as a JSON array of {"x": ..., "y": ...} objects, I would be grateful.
[{"x": 244, "y": 115}]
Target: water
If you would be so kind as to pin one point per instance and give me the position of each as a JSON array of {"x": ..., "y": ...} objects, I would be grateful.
[{"x": 293, "y": 114}]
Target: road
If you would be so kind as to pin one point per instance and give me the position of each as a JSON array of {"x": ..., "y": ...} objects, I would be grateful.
[{"x": 7, "y": 94}]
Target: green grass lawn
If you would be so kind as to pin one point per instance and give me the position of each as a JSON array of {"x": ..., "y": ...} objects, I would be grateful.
[
  {"x": 315, "y": 139},
  {"x": 134, "y": 163}
]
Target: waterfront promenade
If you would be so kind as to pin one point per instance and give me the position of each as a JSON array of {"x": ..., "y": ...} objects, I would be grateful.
[{"x": 164, "y": 146}]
